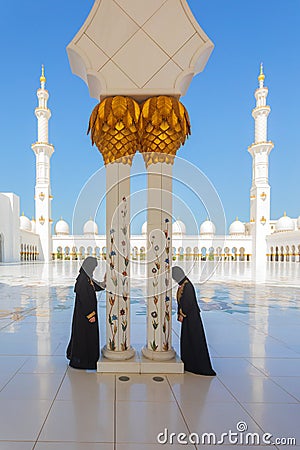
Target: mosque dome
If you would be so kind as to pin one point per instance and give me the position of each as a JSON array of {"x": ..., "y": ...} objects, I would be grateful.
[
  {"x": 90, "y": 227},
  {"x": 144, "y": 228},
  {"x": 207, "y": 227},
  {"x": 25, "y": 223},
  {"x": 178, "y": 227},
  {"x": 298, "y": 223},
  {"x": 237, "y": 227},
  {"x": 285, "y": 223},
  {"x": 33, "y": 226},
  {"x": 62, "y": 227}
]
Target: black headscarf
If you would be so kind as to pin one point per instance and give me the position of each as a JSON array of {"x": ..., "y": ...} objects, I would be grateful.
[
  {"x": 178, "y": 274},
  {"x": 89, "y": 265}
]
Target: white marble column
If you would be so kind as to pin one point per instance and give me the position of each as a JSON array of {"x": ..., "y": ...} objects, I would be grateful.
[
  {"x": 117, "y": 262},
  {"x": 159, "y": 261}
]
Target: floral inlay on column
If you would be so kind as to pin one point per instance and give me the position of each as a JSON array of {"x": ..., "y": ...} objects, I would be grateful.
[
  {"x": 112, "y": 319},
  {"x": 125, "y": 246},
  {"x": 167, "y": 296},
  {"x": 161, "y": 299}
]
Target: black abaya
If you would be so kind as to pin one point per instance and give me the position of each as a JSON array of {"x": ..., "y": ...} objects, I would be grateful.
[
  {"x": 193, "y": 347},
  {"x": 83, "y": 349}
]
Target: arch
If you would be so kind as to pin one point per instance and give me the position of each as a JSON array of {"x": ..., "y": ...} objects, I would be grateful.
[
  {"x": 135, "y": 253},
  {"x": 21, "y": 252},
  {"x": 81, "y": 252},
  {"x": 226, "y": 253},
  {"x": 174, "y": 254},
  {"x": 142, "y": 253},
  {"x": 211, "y": 254},
  {"x": 89, "y": 251},
  {"x": 59, "y": 252},
  {"x": 203, "y": 253},
  {"x": 196, "y": 253},
  {"x": 103, "y": 252},
  {"x": 287, "y": 251},
  {"x": 282, "y": 253},
  {"x": 219, "y": 253},
  {"x": 188, "y": 252},
  {"x": 67, "y": 252},
  {"x": 242, "y": 254},
  {"x": 97, "y": 252},
  {"x": 272, "y": 253},
  {"x": 277, "y": 254},
  {"x": 180, "y": 253},
  {"x": 293, "y": 253},
  {"x": 74, "y": 253},
  {"x": 234, "y": 253}
]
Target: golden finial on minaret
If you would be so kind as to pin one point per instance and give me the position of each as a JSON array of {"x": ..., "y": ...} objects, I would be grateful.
[
  {"x": 42, "y": 77},
  {"x": 261, "y": 76}
]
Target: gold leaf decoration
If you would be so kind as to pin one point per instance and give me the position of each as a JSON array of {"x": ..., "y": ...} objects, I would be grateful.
[
  {"x": 163, "y": 127},
  {"x": 114, "y": 128},
  {"x": 119, "y": 127}
]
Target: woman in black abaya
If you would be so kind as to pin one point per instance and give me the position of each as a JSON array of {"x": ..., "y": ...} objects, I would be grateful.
[
  {"x": 193, "y": 347},
  {"x": 83, "y": 349}
]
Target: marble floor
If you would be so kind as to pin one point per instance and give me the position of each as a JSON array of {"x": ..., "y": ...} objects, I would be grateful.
[{"x": 254, "y": 338}]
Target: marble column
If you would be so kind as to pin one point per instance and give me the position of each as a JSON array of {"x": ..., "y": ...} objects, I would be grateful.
[
  {"x": 117, "y": 261},
  {"x": 159, "y": 261}
]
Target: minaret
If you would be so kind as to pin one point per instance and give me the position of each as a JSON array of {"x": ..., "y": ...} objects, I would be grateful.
[
  {"x": 43, "y": 151},
  {"x": 260, "y": 189}
]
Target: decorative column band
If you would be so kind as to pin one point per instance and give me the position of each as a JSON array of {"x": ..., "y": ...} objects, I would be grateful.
[{"x": 119, "y": 127}]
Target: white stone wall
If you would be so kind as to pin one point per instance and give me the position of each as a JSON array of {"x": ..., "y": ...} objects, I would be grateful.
[{"x": 9, "y": 227}]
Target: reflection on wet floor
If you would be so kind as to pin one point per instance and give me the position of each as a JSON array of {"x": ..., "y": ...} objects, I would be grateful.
[{"x": 254, "y": 340}]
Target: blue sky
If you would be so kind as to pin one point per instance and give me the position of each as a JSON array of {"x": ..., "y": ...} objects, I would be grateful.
[{"x": 219, "y": 100}]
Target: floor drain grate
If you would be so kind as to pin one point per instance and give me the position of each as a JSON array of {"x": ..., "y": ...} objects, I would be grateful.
[
  {"x": 158, "y": 379},
  {"x": 123, "y": 378}
]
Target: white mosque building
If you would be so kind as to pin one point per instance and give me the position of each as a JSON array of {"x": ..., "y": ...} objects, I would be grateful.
[{"x": 22, "y": 239}]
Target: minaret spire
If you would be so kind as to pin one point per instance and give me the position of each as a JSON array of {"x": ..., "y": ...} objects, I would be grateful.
[
  {"x": 43, "y": 151},
  {"x": 261, "y": 76},
  {"x": 260, "y": 189},
  {"x": 43, "y": 78}
]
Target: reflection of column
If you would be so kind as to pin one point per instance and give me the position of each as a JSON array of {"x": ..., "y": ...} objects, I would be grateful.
[
  {"x": 163, "y": 127},
  {"x": 118, "y": 250},
  {"x": 258, "y": 335},
  {"x": 159, "y": 260}
]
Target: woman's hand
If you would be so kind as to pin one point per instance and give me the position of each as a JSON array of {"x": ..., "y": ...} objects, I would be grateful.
[
  {"x": 92, "y": 319},
  {"x": 180, "y": 318}
]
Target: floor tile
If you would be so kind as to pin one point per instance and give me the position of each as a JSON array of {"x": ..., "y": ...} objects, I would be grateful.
[
  {"x": 79, "y": 421},
  {"x": 14, "y": 445},
  {"x": 199, "y": 389},
  {"x": 278, "y": 419},
  {"x": 73, "y": 446},
  {"x": 289, "y": 384},
  {"x": 215, "y": 417},
  {"x": 22, "y": 419},
  {"x": 32, "y": 386},
  {"x": 80, "y": 385},
  {"x": 45, "y": 364},
  {"x": 141, "y": 422},
  {"x": 285, "y": 367},
  {"x": 248, "y": 389}
]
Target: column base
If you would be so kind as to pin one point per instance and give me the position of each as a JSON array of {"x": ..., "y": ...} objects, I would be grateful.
[
  {"x": 158, "y": 356},
  {"x": 118, "y": 356},
  {"x": 140, "y": 365}
]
